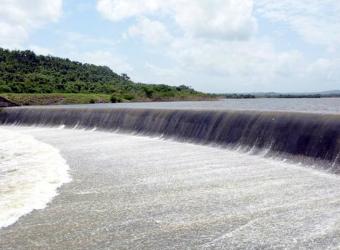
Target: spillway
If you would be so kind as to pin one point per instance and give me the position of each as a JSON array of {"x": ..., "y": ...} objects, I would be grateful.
[
  {"x": 143, "y": 188},
  {"x": 302, "y": 137},
  {"x": 139, "y": 192}
]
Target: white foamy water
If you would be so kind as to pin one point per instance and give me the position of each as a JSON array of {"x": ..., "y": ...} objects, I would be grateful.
[
  {"x": 30, "y": 174},
  {"x": 136, "y": 192}
]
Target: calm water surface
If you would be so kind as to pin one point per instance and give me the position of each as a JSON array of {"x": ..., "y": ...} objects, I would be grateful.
[{"x": 317, "y": 105}]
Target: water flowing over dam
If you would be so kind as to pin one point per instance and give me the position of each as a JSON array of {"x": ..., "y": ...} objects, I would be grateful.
[
  {"x": 303, "y": 137},
  {"x": 123, "y": 177}
]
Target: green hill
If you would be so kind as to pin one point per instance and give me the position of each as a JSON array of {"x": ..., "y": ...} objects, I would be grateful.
[{"x": 27, "y": 78}]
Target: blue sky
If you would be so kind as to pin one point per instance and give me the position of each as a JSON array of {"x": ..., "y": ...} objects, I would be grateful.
[{"x": 211, "y": 45}]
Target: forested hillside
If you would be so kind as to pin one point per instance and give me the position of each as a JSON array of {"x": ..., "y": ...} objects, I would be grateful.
[{"x": 26, "y": 72}]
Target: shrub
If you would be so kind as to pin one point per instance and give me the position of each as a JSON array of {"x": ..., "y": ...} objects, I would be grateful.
[
  {"x": 128, "y": 97},
  {"x": 115, "y": 99}
]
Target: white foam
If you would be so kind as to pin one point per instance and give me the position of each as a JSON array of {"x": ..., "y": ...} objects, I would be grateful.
[{"x": 30, "y": 174}]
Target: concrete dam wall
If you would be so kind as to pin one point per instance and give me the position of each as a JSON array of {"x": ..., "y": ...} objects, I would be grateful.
[{"x": 302, "y": 137}]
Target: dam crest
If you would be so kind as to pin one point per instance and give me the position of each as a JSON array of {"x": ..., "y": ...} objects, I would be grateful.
[{"x": 302, "y": 137}]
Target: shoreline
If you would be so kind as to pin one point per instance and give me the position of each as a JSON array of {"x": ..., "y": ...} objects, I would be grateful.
[{"x": 26, "y": 99}]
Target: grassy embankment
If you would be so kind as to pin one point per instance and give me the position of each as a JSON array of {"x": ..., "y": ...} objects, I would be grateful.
[
  {"x": 80, "y": 98},
  {"x": 49, "y": 99}
]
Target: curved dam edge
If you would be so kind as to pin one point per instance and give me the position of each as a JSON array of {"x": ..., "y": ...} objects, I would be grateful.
[
  {"x": 303, "y": 137},
  {"x": 4, "y": 103}
]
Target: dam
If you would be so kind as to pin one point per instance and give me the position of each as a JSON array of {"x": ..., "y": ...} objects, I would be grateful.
[
  {"x": 305, "y": 137},
  {"x": 176, "y": 178}
]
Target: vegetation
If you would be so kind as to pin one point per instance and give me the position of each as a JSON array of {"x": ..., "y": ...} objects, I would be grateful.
[
  {"x": 56, "y": 98},
  {"x": 27, "y": 78},
  {"x": 277, "y": 95},
  {"x": 299, "y": 96}
]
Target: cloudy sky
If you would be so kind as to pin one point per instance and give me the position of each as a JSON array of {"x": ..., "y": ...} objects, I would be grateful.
[{"x": 211, "y": 45}]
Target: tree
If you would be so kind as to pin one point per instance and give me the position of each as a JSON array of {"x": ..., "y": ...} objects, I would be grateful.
[{"x": 125, "y": 77}]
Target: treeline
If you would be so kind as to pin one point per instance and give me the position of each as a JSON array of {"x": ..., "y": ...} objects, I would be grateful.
[
  {"x": 276, "y": 95},
  {"x": 238, "y": 96},
  {"x": 26, "y": 72},
  {"x": 299, "y": 96}
]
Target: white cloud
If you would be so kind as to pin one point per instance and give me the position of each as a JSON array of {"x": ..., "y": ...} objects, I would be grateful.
[
  {"x": 116, "y": 10},
  {"x": 246, "y": 58},
  {"x": 164, "y": 73},
  {"x": 325, "y": 68},
  {"x": 104, "y": 58},
  {"x": 153, "y": 32},
  {"x": 254, "y": 61},
  {"x": 19, "y": 17},
  {"x": 316, "y": 21},
  {"x": 11, "y": 35},
  {"x": 70, "y": 41},
  {"x": 41, "y": 50},
  {"x": 227, "y": 19}
]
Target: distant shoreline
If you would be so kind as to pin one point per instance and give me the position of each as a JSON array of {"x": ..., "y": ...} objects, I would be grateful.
[{"x": 288, "y": 96}]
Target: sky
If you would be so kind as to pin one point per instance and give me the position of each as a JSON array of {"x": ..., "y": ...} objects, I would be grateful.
[{"x": 212, "y": 45}]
